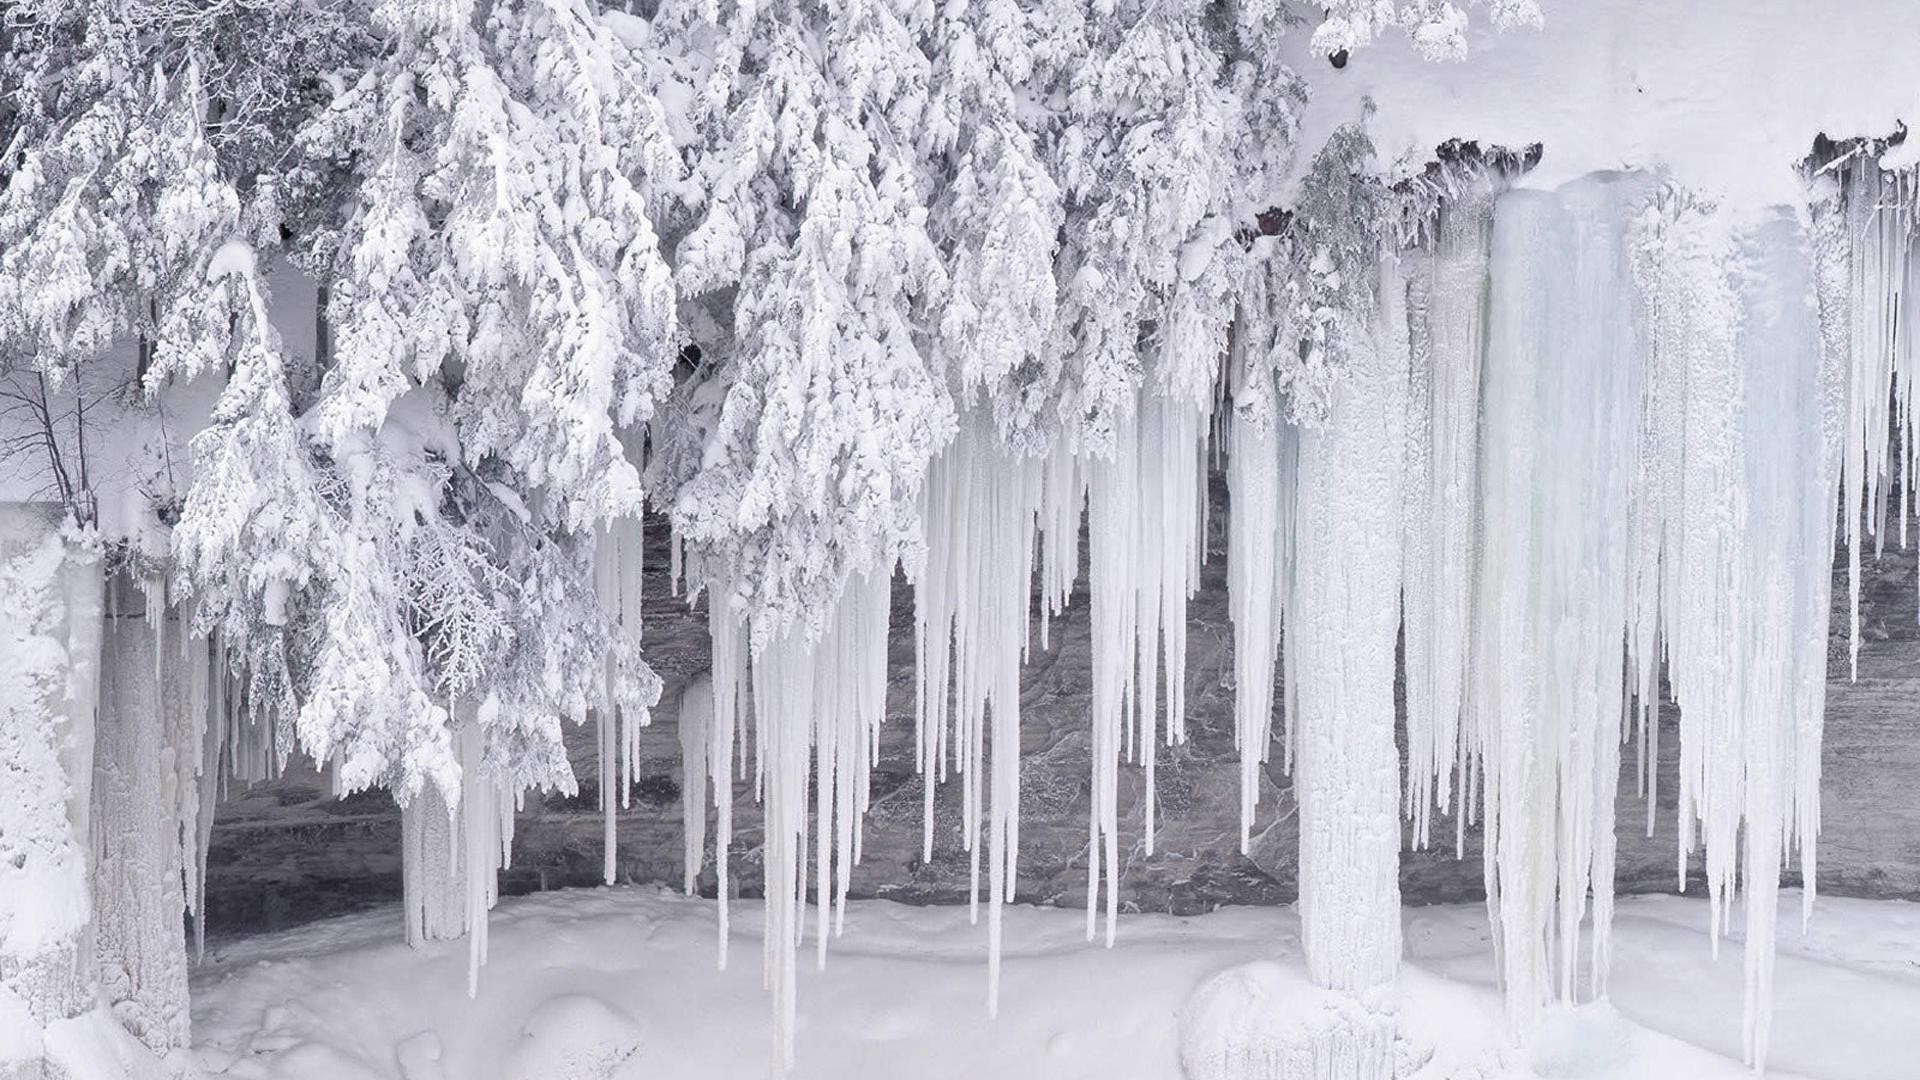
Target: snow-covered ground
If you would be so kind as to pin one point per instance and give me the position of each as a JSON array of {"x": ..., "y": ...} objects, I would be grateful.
[{"x": 596, "y": 974}]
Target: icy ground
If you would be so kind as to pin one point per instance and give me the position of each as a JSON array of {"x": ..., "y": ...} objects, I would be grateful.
[{"x": 620, "y": 984}]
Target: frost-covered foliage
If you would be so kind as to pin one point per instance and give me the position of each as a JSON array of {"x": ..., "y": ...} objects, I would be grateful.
[
  {"x": 112, "y": 202},
  {"x": 1438, "y": 28},
  {"x": 812, "y": 248},
  {"x": 1312, "y": 293}
]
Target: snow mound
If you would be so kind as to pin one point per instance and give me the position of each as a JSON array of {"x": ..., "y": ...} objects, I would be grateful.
[
  {"x": 1588, "y": 1041},
  {"x": 572, "y": 1037},
  {"x": 94, "y": 1046},
  {"x": 1265, "y": 1021}
]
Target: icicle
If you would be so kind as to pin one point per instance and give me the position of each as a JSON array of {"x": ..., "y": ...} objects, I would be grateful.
[
  {"x": 696, "y": 737},
  {"x": 485, "y": 828},
  {"x": 137, "y": 887},
  {"x": 730, "y": 672}
]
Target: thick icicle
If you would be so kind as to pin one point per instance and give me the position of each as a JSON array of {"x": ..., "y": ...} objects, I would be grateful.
[
  {"x": 1258, "y": 537},
  {"x": 1343, "y": 625},
  {"x": 695, "y": 724},
  {"x": 730, "y": 673}
]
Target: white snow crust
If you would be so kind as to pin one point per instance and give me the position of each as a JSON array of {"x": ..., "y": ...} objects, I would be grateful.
[
  {"x": 899, "y": 997},
  {"x": 1727, "y": 95}
]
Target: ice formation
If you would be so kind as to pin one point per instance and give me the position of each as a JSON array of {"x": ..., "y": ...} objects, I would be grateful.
[{"x": 972, "y": 607}]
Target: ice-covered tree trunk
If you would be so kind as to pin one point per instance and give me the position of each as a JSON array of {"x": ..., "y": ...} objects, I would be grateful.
[
  {"x": 1344, "y": 621},
  {"x": 139, "y": 903},
  {"x": 49, "y": 661}
]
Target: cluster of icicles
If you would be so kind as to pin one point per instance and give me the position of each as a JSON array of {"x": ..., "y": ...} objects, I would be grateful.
[{"x": 1582, "y": 437}]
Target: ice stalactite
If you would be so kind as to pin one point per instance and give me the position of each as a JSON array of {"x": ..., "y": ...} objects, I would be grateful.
[
  {"x": 695, "y": 724},
  {"x": 972, "y": 606},
  {"x": 731, "y": 671},
  {"x": 1063, "y": 504},
  {"x": 817, "y": 709},
  {"x": 484, "y": 832},
  {"x": 618, "y": 571},
  {"x": 1343, "y": 625},
  {"x": 1561, "y": 423},
  {"x": 1144, "y": 527},
  {"x": 1447, "y": 286},
  {"x": 139, "y": 905}
]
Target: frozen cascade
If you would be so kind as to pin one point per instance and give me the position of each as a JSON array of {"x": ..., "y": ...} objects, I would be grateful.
[
  {"x": 1447, "y": 286},
  {"x": 1878, "y": 213},
  {"x": 1343, "y": 626},
  {"x": 1145, "y": 514},
  {"x": 817, "y": 709},
  {"x": 1562, "y": 391}
]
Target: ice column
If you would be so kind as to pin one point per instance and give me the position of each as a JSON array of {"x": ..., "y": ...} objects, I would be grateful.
[{"x": 138, "y": 897}]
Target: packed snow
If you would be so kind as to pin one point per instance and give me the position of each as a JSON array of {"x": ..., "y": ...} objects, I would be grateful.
[{"x": 626, "y": 977}]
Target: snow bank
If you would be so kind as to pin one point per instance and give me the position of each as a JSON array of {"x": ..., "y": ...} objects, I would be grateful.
[
  {"x": 900, "y": 996},
  {"x": 1727, "y": 94}
]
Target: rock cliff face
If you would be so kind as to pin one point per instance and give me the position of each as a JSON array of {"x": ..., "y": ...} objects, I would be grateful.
[{"x": 286, "y": 852}]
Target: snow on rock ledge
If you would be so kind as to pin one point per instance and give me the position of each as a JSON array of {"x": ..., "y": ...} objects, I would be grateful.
[
  {"x": 1727, "y": 95},
  {"x": 1264, "y": 1021}
]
